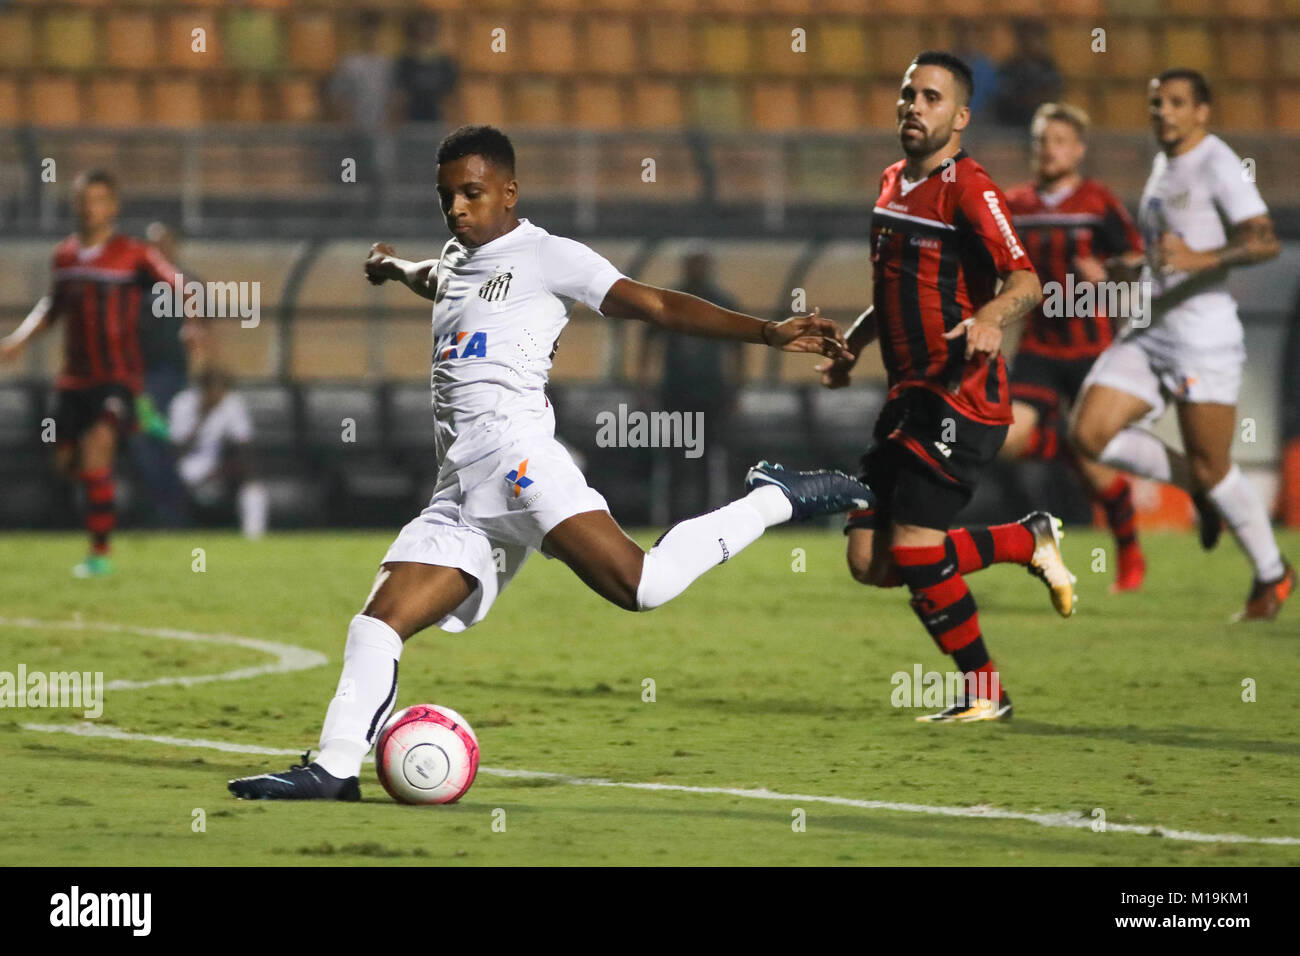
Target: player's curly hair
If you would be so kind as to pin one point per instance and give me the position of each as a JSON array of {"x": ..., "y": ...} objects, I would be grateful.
[{"x": 486, "y": 141}]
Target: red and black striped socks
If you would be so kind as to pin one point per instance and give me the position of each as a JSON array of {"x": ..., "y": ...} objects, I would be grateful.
[
  {"x": 977, "y": 548},
  {"x": 1117, "y": 501},
  {"x": 101, "y": 516},
  {"x": 947, "y": 610}
]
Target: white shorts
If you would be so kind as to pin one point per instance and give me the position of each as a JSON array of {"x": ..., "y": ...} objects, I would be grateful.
[
  {"x": 486, "y": 518},
  {"x": 1144, "y": 368}
]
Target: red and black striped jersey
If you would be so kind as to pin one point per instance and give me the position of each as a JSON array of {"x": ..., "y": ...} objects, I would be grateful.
[
  {"x": 1089, "y": 221},
  {"x": 97, "y": 291},
  {"x": 938, "y": 248}
]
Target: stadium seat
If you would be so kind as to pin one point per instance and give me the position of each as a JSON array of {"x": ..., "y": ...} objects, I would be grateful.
[
  {"x": 670, "y": 46},
  {"x": 551, "y": 45},
  {"x": 1241, "y": 108},
  {"x": 538, "y": 101},
  {"x": 483, "y": 98},
  {"x": 578, "y": 405},
  {"x": 1188, "y": 45},
  {"x": 247, "y": 102},
  {"x": 115, "y": 101},
  {"x": 1288, "y": 51},
  {"x": 11, "y": 107},
  {"x": 656, "y": 104},
  {"x": 897, "y": 41},
  {"x": 275, "y": 414},
  {"x": 407, "y": 342},
  {"x": 599, "y": 104},
  {"x": 716, "y": 104},
  {"x": 409, "y": 423},
  {"x": 255, "y": 41},
  {"x": 130, "y": 40},
  {"x": 53, "y": 100},
  {"x": 341, "y": 418},
  {"x": 1176, "y": 8},
  {"x": 300, "y": 100},
  {"x": 609, "y": 45},
  {"x": 770, "y": 421},
  {"x": 17, "y": 39},
  {"x": 839, "y": 48},
  {"x": 69, "y": 40},
  {"x": 584, "y": 347},
  {"x": 177, "y": 102},
  {"x": 882, "y": 103},
  {"x": 1246, "y": 53},
  {"x": 777, "y": 105},
  {"x": 1288, "y": 109},
  {"x": 312, "y": 41},
  {"x": 1247, "y": 9},
  {"x": 775, "y": 53},
  {"x": 837, "y": 107},
  {"x": 1131, "y": 52},
  {"x": 179, "y": 41},
  {"x": 724, "y": 47},
  {"x": 842, "y": 420},
  {"x": 477, "y": 54},
  {"x": 1124, "y": 107}
]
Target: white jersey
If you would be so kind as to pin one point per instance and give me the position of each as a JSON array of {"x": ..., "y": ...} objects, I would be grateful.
[
  {"x": 228, "y": 422},
  {"x": 498, "y": 312},
  {"x": 1199, "y": 196}
]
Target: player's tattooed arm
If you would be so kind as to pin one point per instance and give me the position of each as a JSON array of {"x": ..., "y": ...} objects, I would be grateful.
[
  {"x": 1020, "y": 292},
  {"x": 383, "y": 264},
  {"x": 37, "y": 321},
  {"x": 675, "y": 311},
  {"x": 1251, "y": 240}
]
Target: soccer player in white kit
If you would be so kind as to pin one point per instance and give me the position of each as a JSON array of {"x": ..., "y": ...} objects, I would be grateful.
[
  {"x": 502, "y": 289},
  {"x": 1200, "y": 215}
]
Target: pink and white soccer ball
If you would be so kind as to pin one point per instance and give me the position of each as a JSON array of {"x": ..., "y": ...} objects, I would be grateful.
[{"x": 426, "y": 754}]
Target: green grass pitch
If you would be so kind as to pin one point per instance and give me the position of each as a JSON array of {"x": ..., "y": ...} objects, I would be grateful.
[{"x": 765, "y": 677}]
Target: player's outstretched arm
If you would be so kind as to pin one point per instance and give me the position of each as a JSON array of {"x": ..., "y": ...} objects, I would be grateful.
[
  {"x": 678, "y": 312},
  {"x": 1020, "y": 292},
  {"x": 383, "y": 264},
  {"x": 1250, "y": 241},
  {"x": 37, "y": 321}
]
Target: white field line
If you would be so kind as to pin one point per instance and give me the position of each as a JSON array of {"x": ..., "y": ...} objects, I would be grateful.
[
  {"x": 288, "y": 658},
  {"x": 1073, "y": 821}
]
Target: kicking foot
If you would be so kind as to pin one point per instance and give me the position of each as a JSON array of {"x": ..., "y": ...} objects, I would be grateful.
[
  {"x": 304, "y": 781},
  {"x": 1211, "y": 523},
  {"x": 967, "y": 712},
  {"x": 1266, "y": 599},
  {"x": 1047, "y": 564},
  {"x": 812, "y": 493},
  {"x": 95, "y": 566}
]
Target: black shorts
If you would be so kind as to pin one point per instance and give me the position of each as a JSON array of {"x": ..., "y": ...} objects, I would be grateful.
[
  {"x": 77, "y": 409},
  {"x": 925, "y": 463},
  {"x": 1047, "y": 383}
]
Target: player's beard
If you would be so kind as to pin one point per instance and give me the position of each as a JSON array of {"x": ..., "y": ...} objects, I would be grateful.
[{"x": 932, "y": 142}]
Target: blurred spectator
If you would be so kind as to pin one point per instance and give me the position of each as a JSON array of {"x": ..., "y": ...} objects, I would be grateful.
[
  {"x": 983, "y": 71},
  {"x": 164, "y": 350},
  {"x": 425, "y": 75},
  {"x": 699, "y": 375},
  {"x": 360, "y": 91},
  {"x": 1028, "y": 78},
  {"x": 212, "y": 429}
]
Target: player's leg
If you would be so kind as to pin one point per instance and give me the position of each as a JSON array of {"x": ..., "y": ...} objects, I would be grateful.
[
  {"x": 96, "y": 450},
  {"x": 407, "y": 597},
  {"x": 1207, "y": 430},
  {"x": 615, "y": 567},
  {"x": 1031, "y": 435},
  {"x": 1113, "y": 490}
]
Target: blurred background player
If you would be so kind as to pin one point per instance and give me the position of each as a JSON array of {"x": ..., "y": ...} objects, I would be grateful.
[
  {"x": 698, "y": 375},
  {"x": 941, "y": 241},
  {"x": 99, "y": 278},
  {"x": 1191, "y": 348},
  {"x": 1070, "y": 227},
  {"x": 212, "y": 432}
]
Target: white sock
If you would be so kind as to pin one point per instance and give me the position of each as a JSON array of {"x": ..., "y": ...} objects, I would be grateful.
[
  {"x": 1244, "y": 512},
  {"x": 693, "y": 546},
  {"x": 253, "y": 501},
  {"x": 1138, "y": 451},
  {"x": 365, "y": 697}
]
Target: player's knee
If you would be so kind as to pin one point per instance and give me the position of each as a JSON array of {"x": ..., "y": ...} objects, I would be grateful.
[
  {"x": 1208, "y": 470},
  {"x": 1089, "y": 439}
]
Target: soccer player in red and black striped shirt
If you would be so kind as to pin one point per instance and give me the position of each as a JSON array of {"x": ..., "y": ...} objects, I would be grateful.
[
  {"x": 1070, "y": 227},
  {"x": 949, "y": 272},
  {"x": 99, "y": 277}
]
